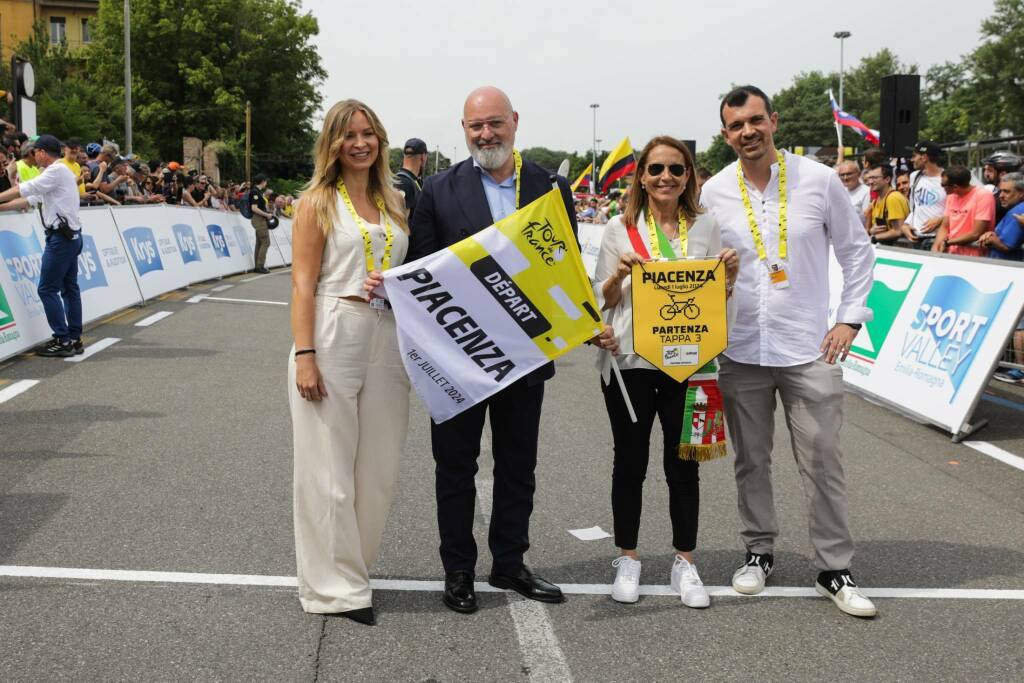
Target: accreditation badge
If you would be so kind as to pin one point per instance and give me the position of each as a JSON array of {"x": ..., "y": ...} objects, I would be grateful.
[
  {"x": 679, "y": 314},
  {"x": 778, "y": 275}
]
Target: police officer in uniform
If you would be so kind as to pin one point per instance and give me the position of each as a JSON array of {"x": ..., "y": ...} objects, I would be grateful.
[{"x": 408, "y": 180}]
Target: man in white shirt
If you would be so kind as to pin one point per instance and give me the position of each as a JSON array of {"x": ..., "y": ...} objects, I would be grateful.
[
  {"x": 927, "y": 196},
  {"x": 56, "y": 188},
  {"x": 781, "y": 212},
  {"x": 860, "y": 194}
]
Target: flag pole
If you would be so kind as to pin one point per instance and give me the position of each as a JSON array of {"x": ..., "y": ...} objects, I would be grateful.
[{"x": 615, "y": 361}]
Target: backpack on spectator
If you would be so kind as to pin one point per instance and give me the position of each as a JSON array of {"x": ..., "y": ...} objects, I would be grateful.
[{"x": 243, "y": 206}]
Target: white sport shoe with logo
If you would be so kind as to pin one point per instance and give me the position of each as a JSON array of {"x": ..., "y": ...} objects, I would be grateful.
[
  {"x": 626, "y": 587},
  {"x": 845, "y": 593},
  {"x": 686, "y": 581},
  {"x": 749, "y": 579}
]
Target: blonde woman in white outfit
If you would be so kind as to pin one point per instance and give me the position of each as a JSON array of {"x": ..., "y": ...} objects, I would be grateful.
[{"x": 348, "y": 391}]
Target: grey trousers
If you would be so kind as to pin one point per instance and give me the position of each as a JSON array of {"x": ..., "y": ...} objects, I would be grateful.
[
  {"x": 259, "y": 224},
  {"x": 812, "y": 398}
]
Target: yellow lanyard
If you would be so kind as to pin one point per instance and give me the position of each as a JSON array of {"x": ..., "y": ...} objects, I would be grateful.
[
  {"x": 755, "y": 230},
  {"x": 519, "y": 173},
  {"x": 653, "y": 230},
  {"x": 389, "y": 237}
]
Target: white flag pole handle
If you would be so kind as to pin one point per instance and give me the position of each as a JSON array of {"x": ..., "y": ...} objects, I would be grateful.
[{"x": 615, "y": 361}]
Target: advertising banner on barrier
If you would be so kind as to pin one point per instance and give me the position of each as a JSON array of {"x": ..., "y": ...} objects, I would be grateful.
[
  {"x": 940, "y": 325},
  {"x": 590, "y": 236},
  {"x": 22, "y": 319},
  {"x": 234, "y": 240},
  {"x": 104, "y": 273},
  {"x": 283, "y": 239},
  {"x": 152, "y": 246}
]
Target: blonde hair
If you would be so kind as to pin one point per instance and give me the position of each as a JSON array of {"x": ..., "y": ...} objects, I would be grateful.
[
  {"x": 636, "y": 199},
  {"x": 322, "y": 191}
]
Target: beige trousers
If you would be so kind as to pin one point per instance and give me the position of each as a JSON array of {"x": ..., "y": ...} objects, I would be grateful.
[
  {"x": 812, "y": 398},
  {"x": 347, "y": 451}
]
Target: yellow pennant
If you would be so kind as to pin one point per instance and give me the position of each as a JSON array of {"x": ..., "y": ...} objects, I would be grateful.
[{"x": 679, "y": 314}]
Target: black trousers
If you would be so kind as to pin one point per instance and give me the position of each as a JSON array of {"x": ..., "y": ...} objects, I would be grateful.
[
  {"x": 652, "y": 392},
  {"x": 515, "y": 424}
]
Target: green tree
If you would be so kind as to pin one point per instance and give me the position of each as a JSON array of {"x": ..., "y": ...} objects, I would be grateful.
[
  {"x": 717, "y": 156},
  {"x": 997, "y": 67},
  {"x": 67, "y": 103},
  {"x": 196, "y": 63}
]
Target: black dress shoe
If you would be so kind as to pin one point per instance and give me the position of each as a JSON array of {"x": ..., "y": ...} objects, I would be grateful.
[
  {"x": 459, "y": 594},
  {"x": 360, "y": 616},
  {"x": 528, "y": 584}
]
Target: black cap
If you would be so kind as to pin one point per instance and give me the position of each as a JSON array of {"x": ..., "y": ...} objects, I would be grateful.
[
  {"x": 48, "y": 144},
  {"x": 258, "y": 178},
  {"x": 928, "y": 147},
  {"x": 415, "y": 146}
]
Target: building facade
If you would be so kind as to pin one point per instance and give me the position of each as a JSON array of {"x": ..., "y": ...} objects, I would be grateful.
[{"x": 67, "y": 21}]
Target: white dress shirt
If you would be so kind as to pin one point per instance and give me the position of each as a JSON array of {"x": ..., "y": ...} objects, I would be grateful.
[
  {"x": 785, "y": 327},
  {"x": 56, "y": 188}
]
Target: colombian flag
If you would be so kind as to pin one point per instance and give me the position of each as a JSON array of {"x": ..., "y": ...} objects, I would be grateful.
[
  {"x": 584, "y": 179},
  {"x": 619, "y": 163}
]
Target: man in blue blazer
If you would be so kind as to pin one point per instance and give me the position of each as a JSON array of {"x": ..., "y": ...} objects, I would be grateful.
[{"x": 463, "y": 200}]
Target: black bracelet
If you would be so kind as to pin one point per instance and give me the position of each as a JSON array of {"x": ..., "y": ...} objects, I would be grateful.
[{"x": 299, "y": 353}]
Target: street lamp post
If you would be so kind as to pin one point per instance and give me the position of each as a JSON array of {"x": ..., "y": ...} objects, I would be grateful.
[
  {"x": 593, "y": 168},
  {"x": 128, "y": 77},
  {"x": 841, "y": 35}
]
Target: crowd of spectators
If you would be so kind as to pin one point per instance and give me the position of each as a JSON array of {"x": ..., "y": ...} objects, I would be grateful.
[{"x": 107, "y": 177}]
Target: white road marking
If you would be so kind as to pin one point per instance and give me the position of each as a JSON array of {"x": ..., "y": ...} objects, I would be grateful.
[
  {"x": 197, "y": 298},
  {"x": 263, "y": 580},
  {"x": 221, "y": 288},
  {"x": 93, "y": 349},
  {"x": 155, "y": 318},
  {"x": 485, "y": 497},
  {"x": 997, "y": 453},
  {"x": 19, "y": 387},
  {"x": 537, "y": 641},
  {"x": 247, "y": 301},
  {"x": 542, "y": 654}
]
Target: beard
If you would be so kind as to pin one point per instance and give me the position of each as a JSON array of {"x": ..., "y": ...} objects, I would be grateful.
[{"x": 491, "y": 158}]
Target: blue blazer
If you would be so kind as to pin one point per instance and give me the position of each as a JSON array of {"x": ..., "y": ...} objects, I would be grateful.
[{"x": 452, "y": 206}]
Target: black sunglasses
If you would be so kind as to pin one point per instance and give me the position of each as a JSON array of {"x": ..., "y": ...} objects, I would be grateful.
[{"x": 675, "y": 169}]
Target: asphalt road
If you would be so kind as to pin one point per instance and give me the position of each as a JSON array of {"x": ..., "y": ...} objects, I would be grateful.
[{"x": 171, "y": 451}]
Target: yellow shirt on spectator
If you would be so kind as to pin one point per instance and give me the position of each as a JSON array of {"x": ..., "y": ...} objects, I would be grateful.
[
  {"x": 26, "y": 172},
  {"x": 76, "y": 168},
  {"x": 894, "y": 207}
]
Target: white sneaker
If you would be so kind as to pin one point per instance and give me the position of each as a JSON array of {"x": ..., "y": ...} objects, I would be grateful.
[
  {"x": 687, "y": 583},
  {"x": 626, "y": 587},
  {"x": 849, "y": 598},
  {"x": 749, "y": 579}
]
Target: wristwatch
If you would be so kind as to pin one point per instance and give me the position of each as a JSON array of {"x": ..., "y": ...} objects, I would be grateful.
[{"x": 855, "y": 326}]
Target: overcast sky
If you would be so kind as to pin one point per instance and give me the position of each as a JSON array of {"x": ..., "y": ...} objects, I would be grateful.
[{"x": 654, "y": 66}]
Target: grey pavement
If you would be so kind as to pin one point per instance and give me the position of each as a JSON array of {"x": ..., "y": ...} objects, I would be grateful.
[{"x": 171, "y": 451}]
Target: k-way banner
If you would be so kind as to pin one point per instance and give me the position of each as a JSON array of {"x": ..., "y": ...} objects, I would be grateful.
[
  {"x": 940, "y": 325},
  {"x": 679, "y": 314},
  {"x": 477, "y": 316}
]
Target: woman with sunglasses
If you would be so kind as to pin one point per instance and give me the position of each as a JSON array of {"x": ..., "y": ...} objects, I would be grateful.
[{"x": 661, "y": 211}]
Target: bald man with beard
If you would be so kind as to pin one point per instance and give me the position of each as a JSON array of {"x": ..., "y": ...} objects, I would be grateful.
[{"x": 454, "y": 204}]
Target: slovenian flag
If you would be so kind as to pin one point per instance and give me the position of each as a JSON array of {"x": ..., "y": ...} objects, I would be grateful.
[
  {"x": 851, "y": 121},
  {"x": 619, "y": 163},
  {"x": 584, "y": 180}
]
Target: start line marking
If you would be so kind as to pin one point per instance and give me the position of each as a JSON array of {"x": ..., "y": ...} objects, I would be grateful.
[
  {"x": 247, "y": 301},
  {"x": 438, "y": 586}
]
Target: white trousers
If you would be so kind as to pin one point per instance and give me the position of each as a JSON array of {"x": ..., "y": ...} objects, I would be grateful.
[{"x": 347, "y": 451}]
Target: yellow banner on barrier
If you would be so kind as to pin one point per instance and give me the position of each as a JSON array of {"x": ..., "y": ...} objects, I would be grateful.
[{"x": 679, "y": 314}]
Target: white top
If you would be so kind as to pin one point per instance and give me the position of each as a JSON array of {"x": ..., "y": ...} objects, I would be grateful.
[
  {"x": 343, "y": 265},
  {"x": 927, "y": 200},
  {"x": 56, "y": 188},
  {"x": 785, "y": 327},
  {"x": 702, "y": 239},
  {"x": 860, "y": 197}
]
